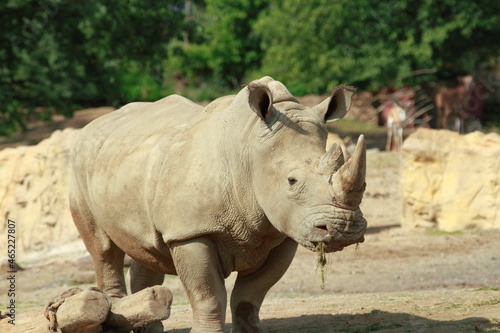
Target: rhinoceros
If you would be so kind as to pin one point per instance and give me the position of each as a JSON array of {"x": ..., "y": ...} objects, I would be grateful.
[{"x": 201, "y": 192}]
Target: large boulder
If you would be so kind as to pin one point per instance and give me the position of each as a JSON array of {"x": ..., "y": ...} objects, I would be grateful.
[
  {"x": 451, "y": 181},
  {"x": 34, "y": 194}
]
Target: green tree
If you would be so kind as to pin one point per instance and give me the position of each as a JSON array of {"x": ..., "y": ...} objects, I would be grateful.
[
  {"x": 315, "y": 44},
  {"x": 234, "y": 47},
  {"x": 55, "y": 54},
  {"x": 222, "y": 47}
]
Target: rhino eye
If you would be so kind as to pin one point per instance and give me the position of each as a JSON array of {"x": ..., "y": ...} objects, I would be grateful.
[{"x": 292, "y": 180}]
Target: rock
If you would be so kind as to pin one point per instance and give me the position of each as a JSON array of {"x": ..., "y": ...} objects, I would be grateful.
[
  {"x": 91, "y": 310},
  {"x": 34, "y": 194},
  {"x": 146, "y": 306},
  {"x": 451, "y": 181},
  {"x": 83, "y": 313}
]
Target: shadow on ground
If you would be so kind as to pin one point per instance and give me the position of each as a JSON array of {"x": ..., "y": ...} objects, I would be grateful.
[{"x": 375, "y": 321}]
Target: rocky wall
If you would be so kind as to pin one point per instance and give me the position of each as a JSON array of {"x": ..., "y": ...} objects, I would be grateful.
[
  {"x": 451, "y": 181},
  {"x": 34, "y": 194}
]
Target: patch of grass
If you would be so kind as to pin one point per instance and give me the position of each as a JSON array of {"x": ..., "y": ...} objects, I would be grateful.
[
  {"x": 353, "y": 126},
  {"x": 488, "y": 288},
  {"x": 451, "y": 306},
  {"x": 329, "y": 305},
  {"x": 437, "y": 232},
  {"x": 490, "y": 302}
]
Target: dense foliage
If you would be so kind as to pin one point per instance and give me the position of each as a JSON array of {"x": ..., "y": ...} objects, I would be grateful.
[
  {"x": 56, "y": 55},
  {"x": 313, "y": 44}
]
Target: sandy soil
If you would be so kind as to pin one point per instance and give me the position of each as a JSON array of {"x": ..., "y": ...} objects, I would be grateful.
[{"x": 396, "y": 281}]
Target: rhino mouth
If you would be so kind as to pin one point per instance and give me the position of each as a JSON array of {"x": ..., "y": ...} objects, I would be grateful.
[
  {"x": 332, "y": 245},
  {"x": 337, "y": 234}
]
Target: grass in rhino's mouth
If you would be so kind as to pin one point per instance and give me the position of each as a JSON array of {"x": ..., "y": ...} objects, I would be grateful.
[
  {"x": 321, "y": 247},
  {"x": 321, "y": 263}
]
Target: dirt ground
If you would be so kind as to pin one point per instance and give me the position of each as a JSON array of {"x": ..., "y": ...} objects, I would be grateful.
[{"x": 396, "y": 281}]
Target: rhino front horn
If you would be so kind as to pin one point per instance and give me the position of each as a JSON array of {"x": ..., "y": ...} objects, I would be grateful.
[
  {"x": 353, "y": 172},
  {"x": 349, "y": 183}
]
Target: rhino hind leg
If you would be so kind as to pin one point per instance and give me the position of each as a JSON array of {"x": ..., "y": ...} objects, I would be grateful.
[
  {"x": 106, "y": 256},
  {"x": 108, "y": 265}
]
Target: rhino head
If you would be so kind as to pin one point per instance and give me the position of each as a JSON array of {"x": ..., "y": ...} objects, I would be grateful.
[{"x": 310, "y": 195}]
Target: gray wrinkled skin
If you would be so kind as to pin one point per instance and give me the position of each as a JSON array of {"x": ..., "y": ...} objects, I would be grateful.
[{"x": 205, "y": 191}]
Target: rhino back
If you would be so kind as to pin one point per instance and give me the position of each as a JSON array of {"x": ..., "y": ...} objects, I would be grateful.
[
  {"x": 118, "y": 158},
  {"x": 139, "y": 120},
  {"x": 152, "y": 171}
]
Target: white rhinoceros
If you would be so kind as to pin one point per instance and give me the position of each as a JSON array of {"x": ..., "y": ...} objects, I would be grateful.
[{"x": 204, "y": 191}]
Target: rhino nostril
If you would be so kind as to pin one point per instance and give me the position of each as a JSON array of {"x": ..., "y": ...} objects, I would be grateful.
[{"x": 326, "y": 227}]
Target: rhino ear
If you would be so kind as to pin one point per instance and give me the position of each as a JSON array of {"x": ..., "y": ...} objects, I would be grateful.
[
  {"x": 336, "y": 106},
  {"x": 261, "y": 101}
]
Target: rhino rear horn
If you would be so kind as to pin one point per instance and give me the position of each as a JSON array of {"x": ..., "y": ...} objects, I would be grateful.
[{"x": 331, "y": 161}]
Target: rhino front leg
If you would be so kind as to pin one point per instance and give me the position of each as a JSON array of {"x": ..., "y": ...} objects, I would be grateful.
[
  {"x": 198, "y": 267},
  {"x": 249, "y": 291}
]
